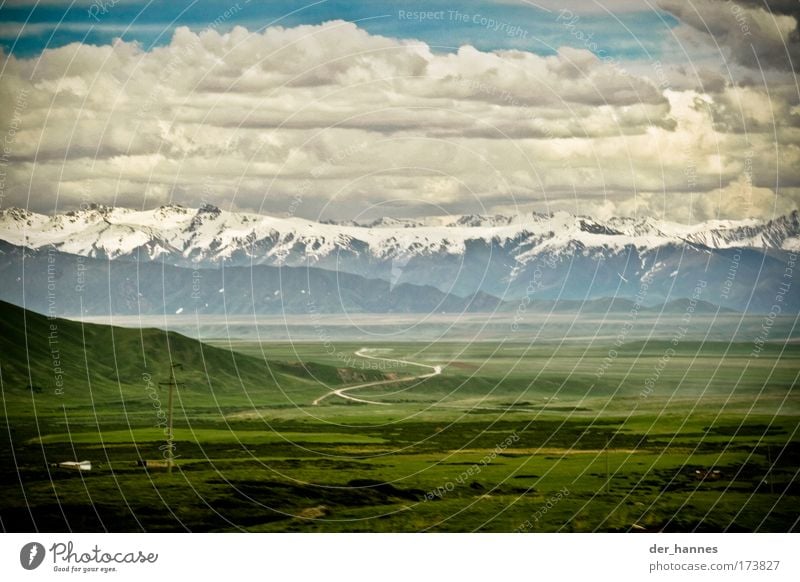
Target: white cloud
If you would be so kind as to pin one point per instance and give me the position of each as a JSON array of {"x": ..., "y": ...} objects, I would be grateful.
[
  {"x": 344, "y": 120},
  {"x": 750, "y": 34}
]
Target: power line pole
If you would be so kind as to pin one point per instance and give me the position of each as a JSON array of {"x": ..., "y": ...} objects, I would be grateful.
[
  {"x": 608, "y": 472},
  {"x": 769, "y": 469},
  {"x": 170, "y": 435}
]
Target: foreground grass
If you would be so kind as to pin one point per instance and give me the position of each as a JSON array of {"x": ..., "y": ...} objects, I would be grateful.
[
  {"x": 415, "y": 477},
  {"x": 508, "y": 438}
]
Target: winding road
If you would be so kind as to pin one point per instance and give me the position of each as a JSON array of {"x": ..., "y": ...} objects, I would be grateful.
[{"x": 342, "y": 392}]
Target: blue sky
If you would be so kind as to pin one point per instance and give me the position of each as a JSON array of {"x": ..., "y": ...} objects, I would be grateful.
[{"x": 633, "y": 32}]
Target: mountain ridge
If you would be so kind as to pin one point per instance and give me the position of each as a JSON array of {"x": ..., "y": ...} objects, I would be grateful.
[
  {"x": 175, "y": 231},
  {"x": 554, "y": 256}
]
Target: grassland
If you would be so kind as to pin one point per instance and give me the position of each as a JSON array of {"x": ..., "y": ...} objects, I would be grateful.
[{"x": 510, "y": 437}]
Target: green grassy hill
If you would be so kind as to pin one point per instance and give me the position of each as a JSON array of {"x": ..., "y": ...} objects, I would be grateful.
[{"x": 57, "y": 363}]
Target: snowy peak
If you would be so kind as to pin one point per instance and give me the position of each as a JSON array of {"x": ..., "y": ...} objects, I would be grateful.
[
  {"x": 778, "y": 233},
  {"x": 388, "y": 222},
  {"x": 209, "y": 235},
  {"x": 479, "y": 220},
  {"x": 597, "y": 228},
  {"x": 552, "y": 256}
]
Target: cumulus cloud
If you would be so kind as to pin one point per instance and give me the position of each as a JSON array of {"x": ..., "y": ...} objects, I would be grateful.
[
  {"x": 752, "y": 35},
  {"x": 331, "y": 119}
]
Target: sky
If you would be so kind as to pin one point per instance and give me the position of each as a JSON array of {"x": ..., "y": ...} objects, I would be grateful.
[{"x": 686, "y": 110}]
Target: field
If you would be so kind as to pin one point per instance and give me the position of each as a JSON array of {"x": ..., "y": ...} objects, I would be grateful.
[{"x": 509, "y": 437}]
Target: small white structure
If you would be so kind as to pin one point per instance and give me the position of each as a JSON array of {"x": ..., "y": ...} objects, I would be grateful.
[{"x": 76, "y": 465}]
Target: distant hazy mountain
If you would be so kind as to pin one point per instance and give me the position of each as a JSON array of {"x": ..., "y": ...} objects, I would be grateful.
[
  {"x": 67, "y": 284},
  {"x": 545, "y": 257}
]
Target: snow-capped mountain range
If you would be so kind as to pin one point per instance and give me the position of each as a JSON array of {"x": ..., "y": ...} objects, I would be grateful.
[
  {"x": 554, "y": 256},
  {"x": 209, "y": 236}
]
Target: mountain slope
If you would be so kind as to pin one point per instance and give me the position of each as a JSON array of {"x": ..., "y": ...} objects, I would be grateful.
[
  {"x": 57, "y": 362},
  {"x": 559, "y": 256},
  {"x": 63, "y": 284},
  {"x": 207, "y": 236}
]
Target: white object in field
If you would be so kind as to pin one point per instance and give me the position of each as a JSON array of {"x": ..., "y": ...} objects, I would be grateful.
[
  {"x": 153, "y": 464},
  {"x": 76, "y": 465}
]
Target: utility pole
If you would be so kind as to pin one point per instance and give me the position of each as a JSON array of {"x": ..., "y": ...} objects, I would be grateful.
[
  {"x": 608, "y": 472},
  {"x": 170, "y": 435},
  {"x": 769, "y": 469}
]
